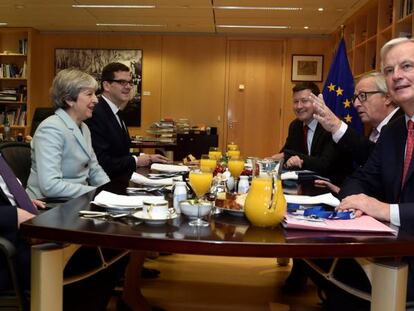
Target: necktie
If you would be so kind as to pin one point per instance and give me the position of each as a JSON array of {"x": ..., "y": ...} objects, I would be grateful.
[
  {"x": 121, "y": 121},
  {"x": 374, "y": 135},
  {"x": 408, "y": 149},
  {"x": 305, "y": 138},
  {"x": 15, "y": 188}
]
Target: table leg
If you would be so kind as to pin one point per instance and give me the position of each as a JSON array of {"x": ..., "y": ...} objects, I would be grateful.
[
  {"x": 47, "y": 265},
  {"x": 389, "y": 286}
]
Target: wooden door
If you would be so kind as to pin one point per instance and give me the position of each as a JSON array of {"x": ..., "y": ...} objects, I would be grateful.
[{"x": 255, "y": 79}]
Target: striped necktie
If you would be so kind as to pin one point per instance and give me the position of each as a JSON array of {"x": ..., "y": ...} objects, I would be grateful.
[
  {"x": 16, "y": 189},
  {"x": 408, "y": 149}
]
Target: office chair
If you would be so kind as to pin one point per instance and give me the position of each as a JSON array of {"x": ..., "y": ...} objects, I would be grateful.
[
  {"x": 11, "y": 299},
  {"x": 17, "y": 156},
  {"x": 40, "y": 114}
]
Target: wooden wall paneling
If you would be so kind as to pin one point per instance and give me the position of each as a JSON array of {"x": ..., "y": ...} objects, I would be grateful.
[
  {"x": 255, "y": 91},
  {"x": 305, "y": 46},
  {"x": 151, "y": 46},
  {"x": 193, "y": 79}
]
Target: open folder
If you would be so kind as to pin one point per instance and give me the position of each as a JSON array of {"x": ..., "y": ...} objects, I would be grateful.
[{"x": 360, "y": 224}]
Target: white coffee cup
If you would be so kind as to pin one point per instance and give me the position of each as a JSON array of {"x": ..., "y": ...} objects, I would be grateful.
[{"x": 157, "y": 209}]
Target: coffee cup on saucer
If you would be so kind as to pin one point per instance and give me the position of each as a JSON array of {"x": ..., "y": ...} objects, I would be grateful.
[{"x": 157, "y": 209}]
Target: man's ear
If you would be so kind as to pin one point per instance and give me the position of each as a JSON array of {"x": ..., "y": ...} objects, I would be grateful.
[
  {"x": 105, "y": 85},
  {"x": 388, "y": 100}
]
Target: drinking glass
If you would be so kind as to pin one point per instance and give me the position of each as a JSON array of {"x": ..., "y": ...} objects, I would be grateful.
[
  {"x": 236, "y": 167},
  {"x": 207, "y": 164},
  {"x": 200, "y": 182},
  {"x": 232, "y": 146},
  {"x": 214, "y": 153}
]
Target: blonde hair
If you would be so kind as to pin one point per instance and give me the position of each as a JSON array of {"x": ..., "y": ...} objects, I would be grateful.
[{"x": 67, "y": 85}]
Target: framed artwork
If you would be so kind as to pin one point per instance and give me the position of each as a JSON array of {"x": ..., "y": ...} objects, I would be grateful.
[
  {"x": 92, "y": 61},
  {"x": 307, "y": 67}
]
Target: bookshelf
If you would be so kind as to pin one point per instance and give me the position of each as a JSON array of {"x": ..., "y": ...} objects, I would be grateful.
[
  {"x": 15, "y": 58},
  {"x": 370, "y": 27}
]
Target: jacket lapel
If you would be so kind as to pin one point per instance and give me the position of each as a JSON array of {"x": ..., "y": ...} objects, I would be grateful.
[
  {"x": 113, "y": 121},
  {"x": 316, "y": 137},
  {"x": 72, "y": 126}
]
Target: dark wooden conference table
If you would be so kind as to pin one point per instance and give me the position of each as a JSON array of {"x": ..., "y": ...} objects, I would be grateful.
[{"x": 227, "y": 235}]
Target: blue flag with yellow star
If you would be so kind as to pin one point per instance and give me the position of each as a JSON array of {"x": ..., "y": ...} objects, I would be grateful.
[{"x": 339, "y": 89}]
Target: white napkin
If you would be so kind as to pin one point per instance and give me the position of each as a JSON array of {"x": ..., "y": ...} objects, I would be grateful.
[
  {"x": 142, "y": 180},
  {"x": 291, "y": 175},
  {"x": 109, "y": 199},
  {"x": 169, "y": 168},
  {"x": 326, "y": 198}
]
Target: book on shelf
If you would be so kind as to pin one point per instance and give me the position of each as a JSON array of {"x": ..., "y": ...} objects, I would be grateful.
[
  {"x": 11, "y": 71},
  {"x": 406, "y": 8},
  {"x": 23, "y": 44}
]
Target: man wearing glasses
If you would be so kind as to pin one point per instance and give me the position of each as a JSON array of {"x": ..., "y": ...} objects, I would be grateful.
[
  {"x": 110, "y": 137},
  {"x": 374, "y": 107}
]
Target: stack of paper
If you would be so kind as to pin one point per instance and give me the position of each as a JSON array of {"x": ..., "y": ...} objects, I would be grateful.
[
  {"x": 360, "y": 224},
  {"x": 142, "y": 180}
]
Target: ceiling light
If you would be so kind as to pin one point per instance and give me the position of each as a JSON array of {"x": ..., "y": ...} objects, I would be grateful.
[
  {"x": 306, "y": 27},
  {"x": 320, "y": 9},
  {"x": 252, "y": 26},
  {"x": 270, "y": 8},
  {"x": 3, "y": 24},
  {"x": 131, "y": 25},
  {"x": 113, "y": 6}
]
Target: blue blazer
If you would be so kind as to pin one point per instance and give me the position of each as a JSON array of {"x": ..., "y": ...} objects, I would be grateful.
[{"x": 64, "y": 164}]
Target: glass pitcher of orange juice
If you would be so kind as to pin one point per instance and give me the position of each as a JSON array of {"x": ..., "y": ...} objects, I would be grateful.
[{"x": 265, "y": 204}]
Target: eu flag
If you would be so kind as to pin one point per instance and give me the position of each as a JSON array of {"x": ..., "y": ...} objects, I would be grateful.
[{"x": 339, "y": 89}]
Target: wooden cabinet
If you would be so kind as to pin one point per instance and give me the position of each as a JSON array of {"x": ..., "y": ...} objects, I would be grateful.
[
  {"x": 15, "y": 46},
  {"x": 373, "y": 25},
  {"x": 196, "y": 144}
]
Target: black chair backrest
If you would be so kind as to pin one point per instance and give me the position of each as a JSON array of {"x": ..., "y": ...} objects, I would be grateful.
[
  {"x": 40, "y": 114},
  {"x": 17, "y": 156}
]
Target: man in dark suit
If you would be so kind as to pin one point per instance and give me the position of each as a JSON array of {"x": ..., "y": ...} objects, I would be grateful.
[
  {"x": 308, "y": 146},
  {"x": 384, "y": 187},
  {"x": 374, "y": 107},
  {"x": 110, "y": 137}
]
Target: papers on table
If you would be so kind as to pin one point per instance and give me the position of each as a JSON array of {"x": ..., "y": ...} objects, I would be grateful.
[
  {"x": 326, "y": 198},
  {"x": 360, "y": 224},
  {"x": 302, "y": 175},
  {"x": 141, "y": 179},
  {"x": 112, "y": 200},
  {"x": 169, "y": 168}
]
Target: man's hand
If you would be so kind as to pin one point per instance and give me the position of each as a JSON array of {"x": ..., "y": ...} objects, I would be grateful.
[
  {"x": 39, "y": 204},
  {"x": 277, "y": 156},
  {"x": 324, "y": 115},
  {"x": 22, "y": 216},
  {"x": 326, "y": 184},
  {"x": 294, "y": 161},
  {"x": 147, "y": 159},
  {"x": 363, "y": 204}
]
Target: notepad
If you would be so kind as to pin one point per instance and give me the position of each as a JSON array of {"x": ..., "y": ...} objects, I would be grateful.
[{"x": 364, "y": 223}]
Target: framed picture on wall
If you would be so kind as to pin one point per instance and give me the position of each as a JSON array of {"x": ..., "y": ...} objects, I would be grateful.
[
  {"x": 92, "y": 61},
  {"x": 307, "y": 68}
]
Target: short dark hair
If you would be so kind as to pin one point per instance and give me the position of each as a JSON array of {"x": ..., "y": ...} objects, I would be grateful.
[
  {"x": 306, "y": 86},
  {"x": 108, "y": 72}
]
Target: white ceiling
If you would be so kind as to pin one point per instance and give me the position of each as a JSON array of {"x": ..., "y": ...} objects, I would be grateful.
[{"x": 180, "y": 16}]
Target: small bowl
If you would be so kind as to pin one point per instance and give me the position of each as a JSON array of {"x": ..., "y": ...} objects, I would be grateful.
[{"x": 189, "y": 208}]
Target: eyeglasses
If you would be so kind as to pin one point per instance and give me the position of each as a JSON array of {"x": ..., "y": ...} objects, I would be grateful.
[
  {"x": 363, "y": 96},
  {"x": 123, "y": 82}
]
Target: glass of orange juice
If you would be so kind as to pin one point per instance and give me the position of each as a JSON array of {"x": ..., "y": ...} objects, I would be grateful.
[
  {"x": 207, "y": 164},
  {"x": 214, "y": 153},
  {"x": 233, "y": 153},
  {"x": 232, "y": 146},
  {"x": 200, "y": 182},
  {"x": 236, "y": 167}
]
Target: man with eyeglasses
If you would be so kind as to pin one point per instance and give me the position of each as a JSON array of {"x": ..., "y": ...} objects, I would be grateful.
[
  {"x": 308, "y": 146},
  {"x": 375, "y": 108},
  {"x": 110, "y": 137}
]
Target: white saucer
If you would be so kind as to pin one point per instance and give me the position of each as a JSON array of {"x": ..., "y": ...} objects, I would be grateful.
[{"x": 153, "y": 221}]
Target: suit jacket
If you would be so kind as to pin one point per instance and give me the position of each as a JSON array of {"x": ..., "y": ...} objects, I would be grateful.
[
  {"x": 324, "y": 158},
  {"x": 359, "y": 146},
  {"x": 9, "y": 231},
  {"x": 381, "y": 178},
  {"x": 64, "y": 164},
  {"x": 110, "y": 142}
]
